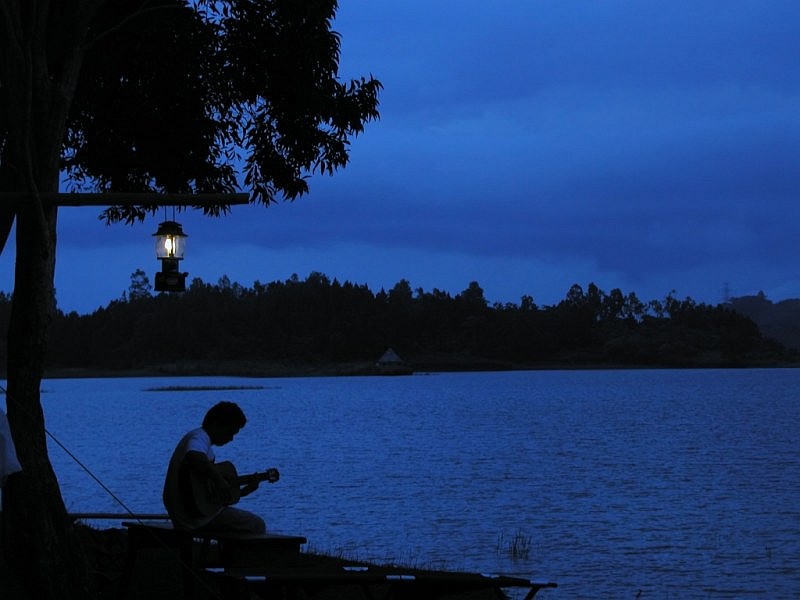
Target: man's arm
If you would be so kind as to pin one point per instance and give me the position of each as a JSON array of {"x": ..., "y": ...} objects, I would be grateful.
[{"x": 248, "y": 488}]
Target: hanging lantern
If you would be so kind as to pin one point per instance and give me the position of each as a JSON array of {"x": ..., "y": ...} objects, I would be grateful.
[{"x": 170, "y": 247}]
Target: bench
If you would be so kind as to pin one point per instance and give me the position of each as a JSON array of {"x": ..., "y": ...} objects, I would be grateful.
[{"x": 201, "y": 549}]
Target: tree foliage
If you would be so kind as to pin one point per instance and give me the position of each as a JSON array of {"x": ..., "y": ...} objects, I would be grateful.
[{"x": 175, "y": 97}]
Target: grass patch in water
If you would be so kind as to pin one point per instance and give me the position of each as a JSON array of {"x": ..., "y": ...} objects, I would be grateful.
[
  {"x": 204, "y": 388},
  {"x": 517, "y": 548}
]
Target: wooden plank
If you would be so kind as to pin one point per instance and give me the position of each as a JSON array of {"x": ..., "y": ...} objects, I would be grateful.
[
  {"x": 132, "y": 199},
  {"x": 238, "y": 536},
  {"x": 77, "y": 516}
]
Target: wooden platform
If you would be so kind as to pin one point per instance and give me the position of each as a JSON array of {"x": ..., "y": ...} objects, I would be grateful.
[
  {"x": 198, "y": 550},
  {"x": 368, "y": 582},
  {"x": 223, "y": 565}
]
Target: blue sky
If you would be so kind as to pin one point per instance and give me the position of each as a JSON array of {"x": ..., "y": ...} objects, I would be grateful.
[{"x": 527, "y": 145}]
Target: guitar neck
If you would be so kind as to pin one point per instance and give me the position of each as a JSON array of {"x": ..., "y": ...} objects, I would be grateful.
[{"x": 269, "y": 475}]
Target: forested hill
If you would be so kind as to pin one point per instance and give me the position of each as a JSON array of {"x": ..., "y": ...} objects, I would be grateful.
[
  {"x": 778, "y": 320},
  {"x": 317, "y": 324}
]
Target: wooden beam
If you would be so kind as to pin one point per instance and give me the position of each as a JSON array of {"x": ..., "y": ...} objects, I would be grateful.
[{"x": 132, "y": 199}]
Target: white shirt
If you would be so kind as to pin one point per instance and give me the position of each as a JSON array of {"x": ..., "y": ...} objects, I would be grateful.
[
  {"x": 182, "y": 516},
  {"x": 8, "y": 454}
]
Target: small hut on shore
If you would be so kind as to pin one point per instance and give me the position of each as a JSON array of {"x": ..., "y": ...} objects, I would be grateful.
[{"x": 390, "y": 363}]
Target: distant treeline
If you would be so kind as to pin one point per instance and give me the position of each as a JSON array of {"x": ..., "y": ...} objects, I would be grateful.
[{"x": 319, "y": 321}]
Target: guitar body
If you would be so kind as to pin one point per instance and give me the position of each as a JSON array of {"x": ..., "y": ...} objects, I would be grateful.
[{"x": 207, "y": 499}]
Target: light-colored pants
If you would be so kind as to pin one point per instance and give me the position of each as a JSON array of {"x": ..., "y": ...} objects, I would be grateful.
[{"x": 236, "y": 519}]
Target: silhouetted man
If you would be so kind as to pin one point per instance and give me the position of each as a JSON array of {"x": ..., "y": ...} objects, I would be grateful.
[{"x": 197, "y": 491}]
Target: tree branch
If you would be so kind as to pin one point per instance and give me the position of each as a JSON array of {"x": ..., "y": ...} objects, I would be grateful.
[
  {"x": 6, "y": 221},
  {"x": 127, "y": 20}
]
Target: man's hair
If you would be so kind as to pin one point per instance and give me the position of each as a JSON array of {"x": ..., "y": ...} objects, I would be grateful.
[{"x": 225, "y": 413}]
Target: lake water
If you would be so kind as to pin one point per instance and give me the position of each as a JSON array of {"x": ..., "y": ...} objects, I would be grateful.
[{"x": 615, "y": 484}]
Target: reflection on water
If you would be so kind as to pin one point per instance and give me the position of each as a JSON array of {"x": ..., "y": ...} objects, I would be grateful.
[{"x": 612, "y": 483}]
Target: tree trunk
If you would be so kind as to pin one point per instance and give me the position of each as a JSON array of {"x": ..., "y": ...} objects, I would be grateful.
[
  {"x": 40, "y": 542},
  {"x": 41, "y": 53}
]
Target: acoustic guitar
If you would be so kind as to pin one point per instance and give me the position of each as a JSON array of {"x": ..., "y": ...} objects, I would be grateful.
[{"x": 207, "y": 499}]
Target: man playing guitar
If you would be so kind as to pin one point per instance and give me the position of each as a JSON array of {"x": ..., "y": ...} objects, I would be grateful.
[{"x": 198, "y": 492}]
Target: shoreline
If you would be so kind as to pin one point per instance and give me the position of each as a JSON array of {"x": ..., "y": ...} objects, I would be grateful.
[
  {"x": 422, "y": 364},
  {"x": 267, "y": 371}
]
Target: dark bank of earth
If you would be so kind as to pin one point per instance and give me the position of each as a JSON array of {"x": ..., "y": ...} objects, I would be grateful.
[
  {"x": 265, "y": 368},
  {"x": 158, "y": 575}
]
